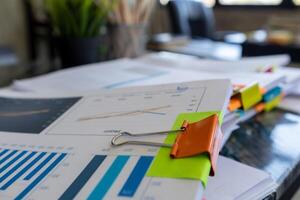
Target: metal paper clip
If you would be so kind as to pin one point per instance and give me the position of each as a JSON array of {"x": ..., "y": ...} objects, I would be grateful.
[{"x": 156, "y": 144}]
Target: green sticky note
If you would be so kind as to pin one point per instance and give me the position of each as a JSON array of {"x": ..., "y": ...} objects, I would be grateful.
[
  {"x": 197, "y": 167},
  {"x": 250, "y": 96},
  {"x": 272, "y": 104}
]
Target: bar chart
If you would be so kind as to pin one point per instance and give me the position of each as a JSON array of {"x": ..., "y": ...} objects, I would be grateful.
[
  {"x": 129, "y": 170},
  {"x": 53, "y": 172},
  {"x": 21, "y": 171}
]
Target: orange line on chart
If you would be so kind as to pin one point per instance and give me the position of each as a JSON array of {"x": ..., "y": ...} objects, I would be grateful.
[
  {"x": 128, "y": 113},
  {"x": 24, "y": 113}
]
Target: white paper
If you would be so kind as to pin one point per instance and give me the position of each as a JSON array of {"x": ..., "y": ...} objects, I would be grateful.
[
  {"x": 250, "y": 64},
  {"x": 234, "y": 180},
  {"x": 78, "y": 154},
  {"x": 106, "y": 75},
  {"x": 266, "y": 81},
  {"x": 80, "y": 144},
  {"x": 124, "y": 73},
  {"x": 153, "y": 107}
]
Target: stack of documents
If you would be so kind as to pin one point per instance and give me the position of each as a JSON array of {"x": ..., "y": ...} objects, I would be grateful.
[
  {"x": 160, "y": 68},
  {"x": 239, "y": 182},
  {"x": 125, "y": 73},
  {"x": 256, "y": 86},
  {"x": 60, "y": 147}
]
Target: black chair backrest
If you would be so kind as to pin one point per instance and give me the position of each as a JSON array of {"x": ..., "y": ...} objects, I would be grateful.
[{"x": 192, "y": 18}]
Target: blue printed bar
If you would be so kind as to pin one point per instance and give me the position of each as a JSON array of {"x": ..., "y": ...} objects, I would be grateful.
[
  {"x": 39, "y": 167},
  {"x": 24, "y": 170},
  {"x": 12, "y": 161},
  {"x": 8, "y": 156},
  {"x": 83, "y": 178},
  {"x": 4, "y": 151},
  {"x": 108, "y": 179},
  {"x": 36, "y": 181},
  {"x": 16, "y": 167},
  {"x": 136, "y": 177}
]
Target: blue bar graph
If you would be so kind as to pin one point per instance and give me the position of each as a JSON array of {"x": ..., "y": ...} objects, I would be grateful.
[
  {"x": 108, "y": 179},
  {"x": 24, "y": 170},
  {"x": 12, "y": 161},
  {"x": 3, "y": 152},
  {"x": 136, "y": 176},
  {"x": 8, "y": 156},
  {"x": 33, "y": 167},
  {"x": 36, "y": 181},
  {"x": 83, "y": 178},
  {"x": 17, "y": 166},
  {"x": 39, "y": 167}
]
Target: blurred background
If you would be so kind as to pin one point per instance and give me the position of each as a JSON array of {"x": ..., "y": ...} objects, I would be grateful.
[{"x": 40, "y": 36}]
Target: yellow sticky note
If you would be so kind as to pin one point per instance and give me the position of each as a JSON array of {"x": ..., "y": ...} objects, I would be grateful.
[
  {"x": 272, "y": 104},
  {"x": 250, "y": 96},
  {"x": 197, "y": 167}
]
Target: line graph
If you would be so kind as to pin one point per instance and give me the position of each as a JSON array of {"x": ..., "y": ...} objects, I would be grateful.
[
  {"x": 133, "y": 110},
  {"x": 23, "y": 113},
  {"x": 127, "y": 113}
]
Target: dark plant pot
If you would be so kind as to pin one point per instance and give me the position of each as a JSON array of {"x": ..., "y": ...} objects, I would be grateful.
[{"x": 79, "y": 51}]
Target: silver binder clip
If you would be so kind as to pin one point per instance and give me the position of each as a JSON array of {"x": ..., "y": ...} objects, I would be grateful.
[{"x": 115, "y": 142}]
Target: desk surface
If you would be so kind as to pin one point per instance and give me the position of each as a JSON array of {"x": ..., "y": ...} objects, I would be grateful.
[{"x": 269, "y": 141}]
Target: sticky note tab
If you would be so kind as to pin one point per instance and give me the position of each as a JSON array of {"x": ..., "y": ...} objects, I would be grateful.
[
  {"x": 270, "y": 95},
  {"x": 234, "y": 104},
  {"x": 272, "y": 104},
  {"x": 250, "y": 96},
  {"x": 197, "y": 167}
]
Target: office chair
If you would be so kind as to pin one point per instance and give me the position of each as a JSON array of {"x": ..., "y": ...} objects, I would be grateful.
[
  {"x": 196, "y": 21},
  {"x": 191, "y": 18}
]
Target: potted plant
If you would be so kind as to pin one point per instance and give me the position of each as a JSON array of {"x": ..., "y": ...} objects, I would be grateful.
[{"x": 78, "y": 29}]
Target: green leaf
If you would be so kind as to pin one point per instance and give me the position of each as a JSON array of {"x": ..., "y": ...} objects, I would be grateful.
[{"x": 78, "y": 18}]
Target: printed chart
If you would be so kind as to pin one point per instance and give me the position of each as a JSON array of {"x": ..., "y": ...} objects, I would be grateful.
[
  {"x": 107, "y": 180},
  {"x": 129, "y": 111},
  {"x": 21, "y": 171},
  {"x": 123, "y": 176},
  {"x": 153, "y": 111},
  {"x": 31, "y": 115},
  {"x": 33, "y": 172}
]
